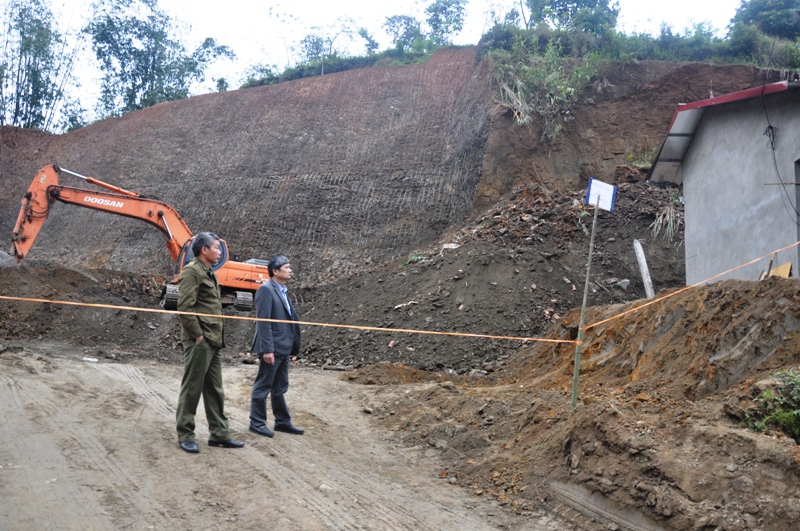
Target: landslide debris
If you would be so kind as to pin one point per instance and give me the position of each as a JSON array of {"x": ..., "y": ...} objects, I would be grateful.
[
  {"x": 658, "y": 440},
  {"x": 514, "y": 270},
  {"x": 108, "y": 333}
]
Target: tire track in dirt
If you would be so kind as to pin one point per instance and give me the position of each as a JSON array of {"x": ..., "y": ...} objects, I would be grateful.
[
  {"x": 366, "y": 491},
  {"x": 303, "y": 493},
  {"x": 342, "y": 493},
  {"x": 599, "y": 508},
  {"x": 156, "y": 393},
  {"x": 90, "y": 454},
  {"x": 34, "y": 466}
]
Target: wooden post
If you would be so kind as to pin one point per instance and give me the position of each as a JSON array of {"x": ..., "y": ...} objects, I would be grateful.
[{"x": 577, "y": 368}]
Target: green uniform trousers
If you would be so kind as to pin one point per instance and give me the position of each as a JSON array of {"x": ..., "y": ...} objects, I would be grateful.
[{"x": 202, "y": 375}]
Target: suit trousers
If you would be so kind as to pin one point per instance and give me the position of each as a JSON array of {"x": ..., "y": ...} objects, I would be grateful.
[
  {"x": 271, "y": 380},
  {"x": 202, "y": 375}
]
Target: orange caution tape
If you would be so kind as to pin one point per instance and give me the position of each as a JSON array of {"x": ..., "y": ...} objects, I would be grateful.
[
  {"x": 687, "y": 288},
  {"x": 308, "y": 323}
]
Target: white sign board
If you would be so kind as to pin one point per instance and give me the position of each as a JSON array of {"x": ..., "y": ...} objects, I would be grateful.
[{"x": 600, "y": 194}]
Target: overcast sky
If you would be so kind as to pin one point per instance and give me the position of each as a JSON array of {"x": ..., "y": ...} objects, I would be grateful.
[{"x": 264, "y": 32}]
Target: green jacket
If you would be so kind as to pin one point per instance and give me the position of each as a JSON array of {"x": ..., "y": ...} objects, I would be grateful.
[{"x": 199, "y": 292}]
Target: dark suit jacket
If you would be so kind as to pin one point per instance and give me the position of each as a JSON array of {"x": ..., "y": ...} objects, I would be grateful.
[{"x": 281, "y": 338}]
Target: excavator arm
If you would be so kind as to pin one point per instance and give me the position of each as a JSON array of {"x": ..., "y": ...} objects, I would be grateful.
[
  {"x": 45, "y": 189},
  {"x": 238, "y": 280}
]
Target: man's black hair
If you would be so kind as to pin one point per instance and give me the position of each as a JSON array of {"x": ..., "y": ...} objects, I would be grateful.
[{"x": 276, "y": 262}]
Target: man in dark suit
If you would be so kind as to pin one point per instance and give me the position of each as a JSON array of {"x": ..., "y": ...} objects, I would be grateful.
[{"x": 274, "y": 343}]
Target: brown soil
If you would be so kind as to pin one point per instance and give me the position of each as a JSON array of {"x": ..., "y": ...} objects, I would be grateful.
[
  {"x": 95, "y": 444},
  {"x": 334, "y": 171},
  {"x": 518, "y": 271},
  {"x": 658, "y": 432},
  {"x": 340, "y": 172},
  {"x": 363, "y": 178}
]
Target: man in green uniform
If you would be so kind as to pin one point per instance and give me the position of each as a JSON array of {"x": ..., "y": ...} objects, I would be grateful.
[{"x": 202, "y": 339}]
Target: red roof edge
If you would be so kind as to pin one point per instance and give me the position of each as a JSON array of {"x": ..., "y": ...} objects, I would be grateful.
[
  {"x": 736, "y": 96},
  {"x": 726, "y": 98}
]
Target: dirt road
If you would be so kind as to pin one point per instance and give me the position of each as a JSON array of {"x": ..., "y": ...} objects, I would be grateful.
[{"x": 93, "y": 446}]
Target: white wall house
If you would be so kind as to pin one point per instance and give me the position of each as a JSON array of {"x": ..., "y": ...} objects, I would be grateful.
[{"x": 738, "y": 158}]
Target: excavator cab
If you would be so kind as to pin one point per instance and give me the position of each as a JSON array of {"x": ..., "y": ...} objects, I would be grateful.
[
  {"x": 186, "y": 255},
  {"x": 242, "y": 300}
]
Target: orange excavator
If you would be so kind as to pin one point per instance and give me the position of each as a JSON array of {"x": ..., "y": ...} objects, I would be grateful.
[{"x": 238, "y": 280}]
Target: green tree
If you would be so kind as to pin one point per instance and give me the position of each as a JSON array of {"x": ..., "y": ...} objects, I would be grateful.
[
  {"x": 30, "y": 74},
  {"x": 403, "y": 30},
  {"x": 445, "y": 18},
  {"x": 592, "y": 16},
  {"x": 545, "y": 86},
  {"x": 261, "y": 74},
  {"x": 776, "y": 18},
  {"x": 142, "y": 64},
  {"x": 73, "y": 116},
  {"x": 699, "y": 42},
  {"x": 322, "y": 43},
  {"x": 370, "y": 43},
  {"x": 312, "y": 47}
]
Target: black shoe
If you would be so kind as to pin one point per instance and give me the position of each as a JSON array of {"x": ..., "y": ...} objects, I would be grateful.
[
  {"x": 230, "y": 443},
  {"x": 288, "y": 428},
  {"x": 190, "y": 446},
  {"x": 262, "y": 430}
]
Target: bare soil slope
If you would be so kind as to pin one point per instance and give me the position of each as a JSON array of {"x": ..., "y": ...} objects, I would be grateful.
[
  {"x": 632, "y": 109},
  {"x": 337, "y": 169},
  {"x": 657, "y": 441},
  {"x": 344, "y": 171}
]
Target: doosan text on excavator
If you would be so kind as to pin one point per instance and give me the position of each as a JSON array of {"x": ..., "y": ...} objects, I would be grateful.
[{"x": 238, "y": 280}]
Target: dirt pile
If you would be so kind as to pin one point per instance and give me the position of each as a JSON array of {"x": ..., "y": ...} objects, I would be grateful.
[
  {"x": 97, "y": 329},
  {"x": 658, "y": 440},
  {"x": 518, "y": 269},
  {"x": 113, "y": 334}
]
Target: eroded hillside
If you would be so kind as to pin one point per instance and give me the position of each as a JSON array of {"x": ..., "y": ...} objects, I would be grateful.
[
  {"x": 363, "y": 178},
  {"x": 343, "y": 171},
  {"x": 337, "y": 169}
]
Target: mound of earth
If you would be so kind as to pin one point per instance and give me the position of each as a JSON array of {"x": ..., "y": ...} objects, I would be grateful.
[
  {"x": 658, "y": 439},
  {"x": 518, "y": 269},
  {"x": 108, "y": 333}
]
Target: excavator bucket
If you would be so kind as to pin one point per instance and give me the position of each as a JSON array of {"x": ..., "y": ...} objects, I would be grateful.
[{"x": 33, "y": 212}]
